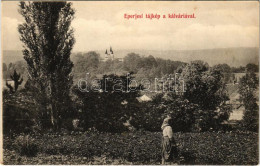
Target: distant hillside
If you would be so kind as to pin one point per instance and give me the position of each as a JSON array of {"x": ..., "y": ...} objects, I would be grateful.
[
  {"x": 12, "y": 56},
  {"x": 232, "y": 56}
]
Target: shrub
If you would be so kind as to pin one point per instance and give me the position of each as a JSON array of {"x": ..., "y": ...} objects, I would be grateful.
[
  {"x": 25, "y": 145},
  {"x": 151, "y": 116},
  {"x": 17, "y": 119},
  {"x": 20, "y": 113},
  {"x": 186, "y": 115},
  {"x": 250, "y": 120},
  {"x": 105, "y": 109},
  {"x": 205, "y": 86},
  {"x": 248, "y": 86}
]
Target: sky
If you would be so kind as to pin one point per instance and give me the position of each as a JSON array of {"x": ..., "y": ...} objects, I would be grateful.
[{"x": 99, "y": 25}]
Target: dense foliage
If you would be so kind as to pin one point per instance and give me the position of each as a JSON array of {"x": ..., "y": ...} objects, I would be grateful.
[
  {"x": 106, "y": 104},
  {"x": 48, "y": 42},
  {"x": 17, "y": 119},
  {"x": 205, "y": 87},
  {"x": 136, "y": 148},
  {"x": 151, "y": 115},
  {"x": 142, "y": 66},
  {"x": 20, "y": 112},
  {"x": 200, "y": 107},
  {"x": 25, "y": 145},
  {"x": 247, "y": 88}
]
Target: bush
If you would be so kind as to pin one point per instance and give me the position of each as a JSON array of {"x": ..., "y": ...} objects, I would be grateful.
[
  {"x": 25, "y": 145},
  {"x": 151, "y": 116},
  {"x": 248, "y": 86},
  {"x": 186, "y": 115},
  {"x": 17, "y": 119},
  {"x": 105, "y": 109},
  {"x": 20, "y": 113},
  {"x": 250, "y": 120}
]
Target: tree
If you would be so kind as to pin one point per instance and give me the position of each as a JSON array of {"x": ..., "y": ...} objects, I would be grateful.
[
  {"x": 239, "y": 69},
  {"x": 252, "y": 67},
  {"x": 48, "y": 41},
  {"x": 17, "y": 81},
  {"x": 87, "y": 63},
  {"x": 132, "y": 62},
  {"x": 225, "y": 70},
  {"x": 149, "y": 62},
  {"x": 10, "y": 66},
  {"x": 111, "y": 106},
  {"x": 205, "y": 88},
  {"x": 247, "y": 89},
  {"x": 5, "y": 71},
  {"x": 4, "y": 67},
  {"x": 152, "y": 113}
]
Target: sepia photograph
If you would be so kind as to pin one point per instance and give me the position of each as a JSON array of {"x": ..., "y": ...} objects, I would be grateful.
[{"x": 129, "y": 82}]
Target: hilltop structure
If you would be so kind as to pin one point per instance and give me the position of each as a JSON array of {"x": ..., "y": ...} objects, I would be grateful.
[{"x": 109, "y": 55}]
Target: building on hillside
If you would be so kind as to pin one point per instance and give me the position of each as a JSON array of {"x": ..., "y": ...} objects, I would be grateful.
[
  {"x": 109, "y": 55},
  {"x": 144, "y": 98},
  {"x": 237, "y": 77}
]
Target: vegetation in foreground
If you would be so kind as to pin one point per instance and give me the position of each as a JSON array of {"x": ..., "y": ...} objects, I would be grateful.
[{"x": 132, "y": 148}]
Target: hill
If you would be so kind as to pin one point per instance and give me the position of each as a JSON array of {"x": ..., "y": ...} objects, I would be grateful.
[
  {"x": 232, "y": 56},
  {"x": 11, "y": 56}
]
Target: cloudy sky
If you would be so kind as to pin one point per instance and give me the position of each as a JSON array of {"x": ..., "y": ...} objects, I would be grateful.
[{"x": 101, "y": 24}]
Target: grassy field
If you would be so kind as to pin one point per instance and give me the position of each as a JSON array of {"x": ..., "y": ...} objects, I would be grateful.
[{"x": 134, "y": 148}]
